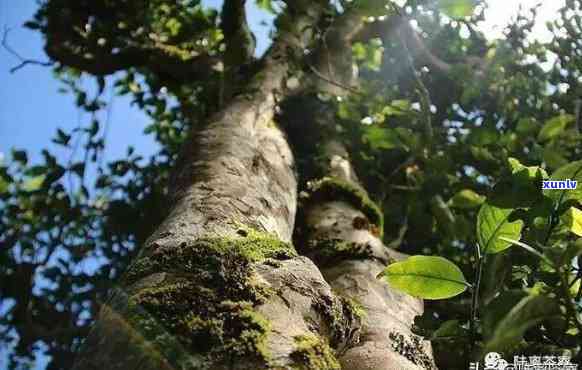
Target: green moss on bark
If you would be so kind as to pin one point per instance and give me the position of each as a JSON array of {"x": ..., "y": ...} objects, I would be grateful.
[
  {"x": 313, "y": 353},
  {"x": 207, "y": 253},
  {"x": 343, "y": 319},
  {"x": 329, "y": 188},
  {"x": 205, "y": 298},
  {"x": 356, "y": 308},
  {"x": 328, "y": 251}
]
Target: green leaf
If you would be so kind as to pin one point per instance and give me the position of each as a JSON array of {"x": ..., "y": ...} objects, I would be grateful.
[
  {"x": 526, "y": 127},
  {"x": 528, "y": 312},
  {"x": 20, "y": 156},
  {"x": 521, "y": 189},
  {"x": 482, "y": 154},
  {"x": 571, "y": 171},
  {"x": 359, "y": 51},
  {"x": 94, "y": 129},
  {"x": 553, "y": 158},
  {"x": 457, "y": 8},
  {"x": 498, "y": 308},
  {"x": 33, "y": 183},
  {"x": 573, "y": 220},
  {"x": 174, "y": 26},
  {"x": 443, "y": 215},
  {"x": 78, "y": 168},
  {"x": 493, "y": 222},
  {"x": 371, "y": 7},
  {"x": 266, "y": 5},
  {"x": 533, "y": 172},
  {"x": 466, "y": 199},
  {"x": 382, "y": 138},
  {"x": 369, "y": 53},
  {"x": 572, "y": 250},
  {"x": 497, "y": 267},
  {"x": 62, "y": 138},
  {"x": 450, "y": 328},
  {"x": 483, "y": 136},
  {"x": 402, "y": 105},
  {"x": 555, "y": 126},
  {"x": 427, "y": 277},
  {"x": 4, "y": 186}
]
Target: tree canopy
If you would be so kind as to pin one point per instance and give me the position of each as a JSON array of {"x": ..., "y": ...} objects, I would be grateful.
[{"x": 452, "y": 133}]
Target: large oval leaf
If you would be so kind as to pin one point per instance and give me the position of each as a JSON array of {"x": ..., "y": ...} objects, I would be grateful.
[
  {"x": 426, "y": 277},
  {"x": 493, "y": 222}
]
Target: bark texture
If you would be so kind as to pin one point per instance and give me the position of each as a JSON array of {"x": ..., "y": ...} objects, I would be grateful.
[
  {"x": 345, "y": 243},
  {"x": 341, "y": 230},
  {"x": 219, "y": 284}
]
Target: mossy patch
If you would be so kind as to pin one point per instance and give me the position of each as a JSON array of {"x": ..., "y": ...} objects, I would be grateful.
[
  {"x": 207, "y": 296},
  {"x": 249, "y": 246},
  {"x": 314, "y": 353},
  {"x": 356, "y": 308},
  {"x": 328, "y": 251},
  {"x": 189, "y": 324},
  {"x": 343, "y": 319},
  {"x": 329, "y": 188}
]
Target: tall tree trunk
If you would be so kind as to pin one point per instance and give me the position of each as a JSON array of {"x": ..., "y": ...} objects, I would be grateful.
[
  {"x": 341, "y": 230},
  {"x": 219, "y": 284}
]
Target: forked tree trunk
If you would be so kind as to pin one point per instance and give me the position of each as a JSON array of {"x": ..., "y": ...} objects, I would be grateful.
[{"x": 219, "y": 284}]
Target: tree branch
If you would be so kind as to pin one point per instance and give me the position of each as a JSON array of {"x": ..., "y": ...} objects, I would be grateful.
[
  {"x": 239, "y": 40},
  {"x": 23, "y": 61},
  {"x": 332, "y": 60},
  {"x": 400, "y": 24}
]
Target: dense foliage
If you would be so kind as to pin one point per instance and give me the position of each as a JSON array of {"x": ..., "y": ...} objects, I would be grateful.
[{"x": 453, "y": 143}]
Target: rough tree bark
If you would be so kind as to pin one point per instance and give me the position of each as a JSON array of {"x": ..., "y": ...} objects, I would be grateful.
[{"x": 219, "y": 284}]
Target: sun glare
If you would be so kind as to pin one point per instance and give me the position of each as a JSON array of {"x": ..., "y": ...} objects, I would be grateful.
[{"x": 499, "y": 13}]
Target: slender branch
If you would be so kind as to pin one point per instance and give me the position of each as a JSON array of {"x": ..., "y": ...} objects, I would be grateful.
[
  {"x": 239, "y": 40},
  {"x": 569, "y": 302},
  {"x": 529, "y": 249},
  {"x": 422, "y": 91},
  {"x": 23, "y": 61},
  {"x": 333, "y": 55},
  {"x": 577, "y": 108},
  {"x": 333, "y": 82},
  {"x": 475, "y": 294}
]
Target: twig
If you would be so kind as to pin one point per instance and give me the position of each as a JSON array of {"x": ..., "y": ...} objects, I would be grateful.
[
  {"x": 578, "y": 106},
  {"x": 335, "y": 83},
  {"x": 23, "y": 61},
  {"x": 475, "y": 295},
  {"x": 421, "y": 90}
]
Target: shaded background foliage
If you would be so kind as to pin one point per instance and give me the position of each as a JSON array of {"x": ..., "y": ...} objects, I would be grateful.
[{"x": 69, "y": 228}]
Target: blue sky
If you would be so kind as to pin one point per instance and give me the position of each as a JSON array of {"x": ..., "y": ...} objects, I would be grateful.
[{"x": 31, "y": 109}]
